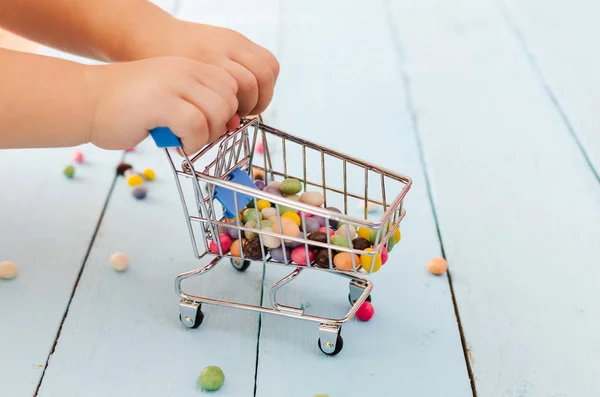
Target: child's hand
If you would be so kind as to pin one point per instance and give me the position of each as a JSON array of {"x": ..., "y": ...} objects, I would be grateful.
[
  {"x": 195, "y": 100},
  {"x": 254, "y": 67}
]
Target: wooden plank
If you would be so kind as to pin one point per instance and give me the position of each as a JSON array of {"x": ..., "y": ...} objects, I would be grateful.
[
  {"x": 518, "y": 207},
  {"x": 122, "y": 335},
  {"x": 48, "y": 222},
  {"x": 558, "y": 36},
  {"x": 340, "y": 86}
]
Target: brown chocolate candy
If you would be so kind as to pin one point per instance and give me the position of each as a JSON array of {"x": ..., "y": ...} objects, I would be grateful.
[
  {"x": 360, "y": 243},
  {"x": 318, "y": 237},
  {"x": 122, "y": 167},
  {"x": 322, "y": 258},
  {"x": 252, "y": 249}
]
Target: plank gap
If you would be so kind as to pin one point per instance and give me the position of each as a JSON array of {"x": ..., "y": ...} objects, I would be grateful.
[
  {"x": 397, "y": 45},
  {"x": 81, "y": 269},
  {"x": 514, "y": 28}
]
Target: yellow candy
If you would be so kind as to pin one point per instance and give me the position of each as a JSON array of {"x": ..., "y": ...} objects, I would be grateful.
[
  {"x": 293, "y": 216},
  {"x": 262, "y": 204},
  {"x": 366, "y": 260},
  {"x": 134, "y": 180},
  {"x": 364, "y": 233},
  {"x": 149, "y": 174},
  {"x": 397, "y": 235}
]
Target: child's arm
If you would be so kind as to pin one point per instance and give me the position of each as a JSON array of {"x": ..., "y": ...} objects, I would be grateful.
[
  {"x": 125, "y": 30},
  {"x": 47, "y": 102}
]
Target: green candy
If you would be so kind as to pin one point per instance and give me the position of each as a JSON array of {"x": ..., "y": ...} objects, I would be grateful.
[
  {"x": 250, "y": 215},
  {"x": 211, "y": 378},
  {"x": 340, "y": 241},
  {"x": 283, "y": 209},
  {"x": 266, "y": 223},
  {"x": 391, "y": 243},
  {"x": 249, "y": 234},
  {"x": 372, "y": 236},
  {"x": 290, "y": 186},
  {"x": 69, "y": 171}
]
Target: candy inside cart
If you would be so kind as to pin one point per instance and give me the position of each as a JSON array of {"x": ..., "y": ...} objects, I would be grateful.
[{"x": 292, "y": 203}]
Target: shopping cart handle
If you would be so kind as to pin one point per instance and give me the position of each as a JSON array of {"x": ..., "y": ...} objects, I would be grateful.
[{"x": 164, "y": 137}]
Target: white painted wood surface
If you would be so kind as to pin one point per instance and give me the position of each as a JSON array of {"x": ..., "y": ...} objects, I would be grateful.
[
  {"x": 519, "y": 209},
  {"x": 562, "y": 38},
  {"x": 341, "y": 86},
  {"x": 47, "y": 224}
]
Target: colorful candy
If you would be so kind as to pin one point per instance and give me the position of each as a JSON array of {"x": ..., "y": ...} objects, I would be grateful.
[
  {"x": 340, "y": 241},
  {"x": 365, "y": 312},
  {"x": 225, "y": 244},
  {"x": 290, "y": 186},
  {"x": 149, "y": 174},
  {"x": 252, "y": 249},
  {"x": 268, "y": 212},
  {"x": 272, "y": 190},
  {"x": 140, "y": 192},
  {"x": 293, "y": 197},
  {"x": 384, "y": 256},
  {"x": 8, "y": 270},
  {"x": 289, "y": 228},
  {"x": 251, "y": 214},
  {"x": 391, "y": 243},
  {"x": 293, "y": 216},
  {"x": 318, "y": 237},
  {"x": 322, "y": 258},
  {"x": 270, "y": 241},
  {"x": 343, "y": 261},
  {"x": 277, "y": 254},
  {"x": 78, "y": 156},
  {"x": 437, "y": 266},
  {"x": 122, "y": 167},
  {"x": 249, "y": 233},
  {"x": 257, "y": 173},
  {"x": 294, "y": 244},
  {"x": 119, "y": 261},
  {"x": 364, "y": 233},
  {"x": 310, "y": 225},
  {"x": 260, "y": 184},
  {"x": 360, "y": 243},
  {"x": 346, "y": 230},
  {"x": 259, "y": 147},
  {"x": 397, "y": 235},
  {"x": 332, "y": 222},
  {"x": 69, "y": 171},
  {"x": 299, "y": 255},
  {"x": 313, "y": 198},
  {"x": 366, "y": 260},
  {"x": 323, "y": 229},
  {"x": 134, "y": 180},
  {"x": 211, "y": 378},
  {"x": 236, "y": 247},
  {"x": 262, "y": 204}
]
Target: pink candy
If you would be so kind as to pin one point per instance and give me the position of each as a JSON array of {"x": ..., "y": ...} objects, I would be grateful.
[
  {"x": 324, "y": 230},
  {"x": 259, "y": 147},
  {"x": 299, "y": 255},
  {"x": 384, "y": 256},
  {"x": 306, "y": 215},
  {"x": 365, "y": 312},
  {"x": 78, "y": 156},
  {"x": 225, "y": 244}
]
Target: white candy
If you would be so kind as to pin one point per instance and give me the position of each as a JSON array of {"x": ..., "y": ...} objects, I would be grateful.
[
  {"x": 8, "y": 269},
  {"x": 313, "y": 198},
  {"x": 274, "y": 184},
  {"x": 119, "y": 261},
  {"x": 293, "y": 197},
  {"x": 268, "y": 241},
  {"x": 268, "y": 212},
  {"x": 371, "y": 206},
  {"x": 342, "y": 231}
]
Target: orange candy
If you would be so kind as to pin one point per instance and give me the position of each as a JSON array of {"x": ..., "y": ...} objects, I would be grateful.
[
  {"x": 235, "y": 248},
  {"x": 343, "y": 261},
  {"x": 437, "y": 266}
]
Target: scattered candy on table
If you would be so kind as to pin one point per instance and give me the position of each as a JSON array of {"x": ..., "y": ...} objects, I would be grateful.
[
  {"x": 437, "y": 266},
  {"x": 119, "y": 261},
  {"x": 78, "y": 156},
  {"x": 140, "y": 192},
  {"x": 122, "y": 168},
  {"x": 8, "y": 270},
  {"x": 211, "y": 378},
  {"x": 365, "y": 312},
  {"x": 134, "y": 180},
  {"x": 149, "y": 174},
  {"x": 259, "y": 147},
  {"x": 69, "y": 171}
]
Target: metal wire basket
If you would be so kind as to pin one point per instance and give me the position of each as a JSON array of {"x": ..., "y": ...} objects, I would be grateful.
[{"x": 216, "y": 196}]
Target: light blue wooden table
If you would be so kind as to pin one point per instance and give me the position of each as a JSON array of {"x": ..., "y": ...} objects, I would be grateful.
[{"x": 492, "y": 107}]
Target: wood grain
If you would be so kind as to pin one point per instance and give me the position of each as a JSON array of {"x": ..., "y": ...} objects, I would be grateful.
[
  {"x": 341, "y": 86},
  {"x": 518, "y": 207}
]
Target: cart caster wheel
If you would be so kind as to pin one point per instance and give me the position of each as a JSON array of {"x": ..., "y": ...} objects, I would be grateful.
[
  {"x": 190, "y": 314},
  {"x": 339, "y": 345},
  {"x": 352, "y": 302},
  {"x": 240, "y": 265}
]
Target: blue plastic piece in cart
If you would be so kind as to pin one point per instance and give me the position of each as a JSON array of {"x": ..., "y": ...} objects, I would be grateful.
[
  {"x": 164, "y": 137},
  {"x": 226, "y": 196}
]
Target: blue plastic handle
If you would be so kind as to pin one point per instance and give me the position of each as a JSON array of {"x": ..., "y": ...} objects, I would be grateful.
[{"x": 164, "y": 138}]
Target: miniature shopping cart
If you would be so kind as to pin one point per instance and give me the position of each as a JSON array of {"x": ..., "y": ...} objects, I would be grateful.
[{"x": 218, "y": 183}]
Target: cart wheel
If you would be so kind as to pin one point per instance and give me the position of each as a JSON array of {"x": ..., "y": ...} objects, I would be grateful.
[
  {"x": 197, "y": 322},
  {"x": 352, "y": 302},
  {"x": 339, "y": 344},
  {"x": 240, "y": 265}
]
